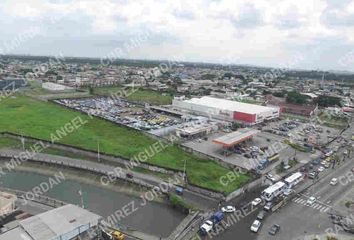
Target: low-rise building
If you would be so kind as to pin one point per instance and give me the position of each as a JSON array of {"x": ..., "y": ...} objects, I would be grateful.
[
  {"x": 68, "y": 222},
  {"x": 227, "y": 110},
  {"x": 7, "y": 203}
]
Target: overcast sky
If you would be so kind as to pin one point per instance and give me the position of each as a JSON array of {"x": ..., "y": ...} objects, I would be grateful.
[{"x": 311, "y": 34}]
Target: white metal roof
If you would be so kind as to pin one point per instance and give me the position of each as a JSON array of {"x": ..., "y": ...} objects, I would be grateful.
[
  {"x": 58, "y": 222},
  {"x": 293, "y": 177},
  {"x": 230, "y": 105},
  {"x": 274, "y": 187},
  {"x": 235, "y": 137}
]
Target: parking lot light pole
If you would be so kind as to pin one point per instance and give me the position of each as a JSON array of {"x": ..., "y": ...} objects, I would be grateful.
[
  {"x": 23, "y": 142},
  {"x": 184, "y": 171}
]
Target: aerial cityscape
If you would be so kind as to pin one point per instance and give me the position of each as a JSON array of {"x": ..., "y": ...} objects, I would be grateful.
[{"x": 177, "y": 120}]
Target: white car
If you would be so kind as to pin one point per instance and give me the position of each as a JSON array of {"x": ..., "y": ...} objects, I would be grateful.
[
  {"x": 334, "y": 181},
  {"x": 256, "y": 225},
  {"x": 228, "y": 209},
  {"x": 256, "y": 201},
  {"x": 207, "y": 226},
  {"x": 270, "y": 177},
  {"x": 321, "y": 169},
  {"x": 311, "y": 201},
  {"x": 329, "y": 153},
  {"x": 268, "y": 206},
  {"x": 288, "y": 191}
]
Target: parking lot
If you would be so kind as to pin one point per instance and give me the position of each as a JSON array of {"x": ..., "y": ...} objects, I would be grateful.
[
  {"x": 122, "y": 112},
  {"x": 264, "y": 144}
]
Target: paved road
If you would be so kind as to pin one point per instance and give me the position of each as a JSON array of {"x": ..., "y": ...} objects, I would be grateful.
[
  {"x": 309, "y": 219},
  {"x": 298, "y": 218},
  {"x": 241, "y": 227}
]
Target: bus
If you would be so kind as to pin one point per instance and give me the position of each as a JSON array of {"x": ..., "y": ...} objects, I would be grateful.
[
  {"x": 294, "y": 179},
  {"x": 273, "y": 191}
]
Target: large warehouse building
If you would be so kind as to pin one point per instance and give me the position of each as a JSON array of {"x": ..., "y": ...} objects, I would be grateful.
[{"x": 227, "y": 110}]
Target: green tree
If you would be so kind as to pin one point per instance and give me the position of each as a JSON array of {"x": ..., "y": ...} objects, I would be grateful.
[
  {"x": 295, "y": 97},
  {"x": 328, "y": 101}
]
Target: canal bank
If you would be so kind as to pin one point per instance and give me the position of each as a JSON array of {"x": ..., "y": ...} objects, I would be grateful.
[{"x": 118, "y": 204}]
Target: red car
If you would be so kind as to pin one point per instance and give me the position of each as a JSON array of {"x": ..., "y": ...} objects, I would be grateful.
[
  {"x": 353, "y": 169},
  {"x": 129, "y": 175}
]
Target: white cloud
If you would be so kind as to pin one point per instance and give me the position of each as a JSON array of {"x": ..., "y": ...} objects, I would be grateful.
[{"x": 267, "y": 32}]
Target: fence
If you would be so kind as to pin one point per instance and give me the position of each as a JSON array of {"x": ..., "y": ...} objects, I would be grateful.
[
  {"x": 79, "y": 166},
  {"x": 88, "y": 153},
  {"x": 37, "y": 198}
]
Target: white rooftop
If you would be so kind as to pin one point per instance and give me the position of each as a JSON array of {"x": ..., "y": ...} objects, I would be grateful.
[
  {"x": 53, "y": 224},
  {"x": 230, "y": 105}
]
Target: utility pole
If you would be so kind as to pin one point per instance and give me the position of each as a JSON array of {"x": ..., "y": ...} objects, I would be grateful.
[
  {"x": 23, "y": 142},
  {"x": 81, "y": 198},
  {"x": 184, "y": 171},
  {"x": 98, "y": 151}
]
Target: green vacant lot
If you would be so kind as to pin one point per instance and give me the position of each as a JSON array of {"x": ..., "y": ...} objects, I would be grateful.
[
  {"x": 136, "y": 94},
  {"x": 333, "y": 121},
  {"x": 31, "y": 117}
]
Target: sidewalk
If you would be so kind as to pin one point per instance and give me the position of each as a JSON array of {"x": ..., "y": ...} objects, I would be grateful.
[{"x": 324, "y": 237}]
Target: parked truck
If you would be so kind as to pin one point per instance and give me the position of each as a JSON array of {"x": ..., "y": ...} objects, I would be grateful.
[
  {"x": 264, "y": 163},
  {"x": 217, "y": 217}
]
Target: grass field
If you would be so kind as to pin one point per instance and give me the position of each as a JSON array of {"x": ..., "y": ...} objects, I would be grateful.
[
  {"x": 136, "y": 94},
  {"x": 31, "y": 117},
  {"x": 334, "y": 122}
]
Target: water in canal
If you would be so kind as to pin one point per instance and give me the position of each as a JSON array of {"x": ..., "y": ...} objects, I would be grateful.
[{"x": 154, "y": 218}]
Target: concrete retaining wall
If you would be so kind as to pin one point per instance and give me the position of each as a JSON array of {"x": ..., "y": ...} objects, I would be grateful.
[{"x": 247, "y": 187}]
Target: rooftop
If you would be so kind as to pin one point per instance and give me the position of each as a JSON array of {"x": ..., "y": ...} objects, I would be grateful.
[
  {"x": 230, "y": 105},
  {"x": 6, "y": 199},
  {"x": 53, "y": 224},
  {"x": 237, "y": 137}
]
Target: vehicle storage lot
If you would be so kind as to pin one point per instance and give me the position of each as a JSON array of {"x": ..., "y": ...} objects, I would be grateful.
[{"x": 122, "y": 112}]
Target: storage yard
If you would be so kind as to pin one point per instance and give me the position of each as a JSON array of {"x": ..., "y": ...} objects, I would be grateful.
[{"x": 121, "y": 112}]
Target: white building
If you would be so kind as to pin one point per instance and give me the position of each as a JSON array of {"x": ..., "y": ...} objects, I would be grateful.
[
  {"x": 7, "y": 203},
  {"x": 227, "y": 110},
  {"x": 68, "y": 222},
  {"x": 54, "y": 87}
]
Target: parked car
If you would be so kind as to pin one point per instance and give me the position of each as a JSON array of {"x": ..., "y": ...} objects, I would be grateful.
[
  {"x": 261, "y": 215},
  {"x": 312, "y": 175},
  {"x": 129, "y": 175},
  {"x": 316, "y": 161},
  {"x": 256, "y": 202},
  {"x": 256, "y": 225},
  {"x": 328, "y": 154},
  {"x": 333, "y": 181},
  {"x": 321, "y": 169},
  {"x": 268, "y": 206},
  {"x": 274, "y": 229},
  {"x": 206, "y": 227},
  {"x": 327, "y": 165},
  {"x": 228, "y": 209},
  {"x": 311, "y": 201}
]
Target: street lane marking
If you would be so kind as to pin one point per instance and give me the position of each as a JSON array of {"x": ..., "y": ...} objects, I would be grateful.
[
  {"x": 324, "y": 209},
  {"x": 317, "y": 205}
]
